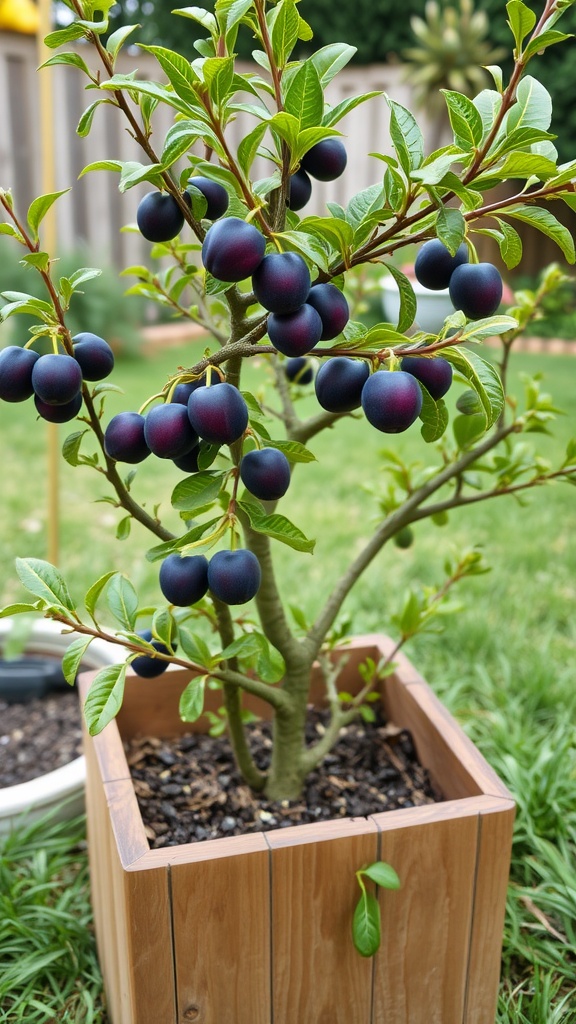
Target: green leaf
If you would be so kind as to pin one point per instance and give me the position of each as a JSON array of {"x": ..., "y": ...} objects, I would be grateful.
[
  {"x": 195, "y": 491},
  {"x": 123, "y": 528},
  {"x": 164, "y": 627},
  {"x": 45, "y": 581},
  {"x": 407, "y": 312},
  {"x": 329, "y": 60},
  {"x": 218, "y": 75},
  {"x": 101, "y": 165},
  {"x": 521, "y": 21},
  {"x": 64, "y": 35},
  {"x": 547, "y": 223},
  {"x": 465, "y": 119},
  {"x": 285, "y": 32},
  {"x": 366, "y": 925},
  {"x": 18, "y": 608},
  {"x": 305, "y": 244},
  {"x": 153, "y": 89},
  {"x": 277, "y": 527},
  {"x": 524, "y": 165},
  {"x": 39, "y": 208},
  {"x": 511, "y": 245},
  {"x": 383, "y": 874},
  {"x": 195, "y": 649},
  {"x": 305, "y": 98},
  {"x": 468, "y": 429},
  {"x": 179, "y": 140},
  {"x": 450, "y": 228},
  {"x": 533, "y": 107},
  {"x": 178, "y": 71},
  {"x": 482, "y": 377},
  {"x": 192, "y": 700},
  {"x": 104, "y": 698},
  {"x": 286, "y": 126},
  {"x": 202, "y": 16},
  {"x": 122, "y": 600},
  {"x": 434, "y": 416},
  {"x": 433, "y": 171},
  {"x": 406, "y": 137},
  {"x": 9, "y": 229},
  {"x": 476, "y": 330},
  {"x": 309, "y": 137},
  {"x": 230, "y": 12},
  {"x": 73, "y": 59},
  {"x": 40, "y": 260},
  {"x": 73, "y": 658},
  {"x": 132, "y": 173},
  {"x": 334, "y": 114},
  {"x": 293, "y": 450},
  {"x": 117, "y": 39},
  {"x": 543, "y": 41},
  {"x": 71, "y": 447},
  {"x": 168, "y": 546},
  {"x": 248, "y": 147},
  {"x": 93, "y": 593}
]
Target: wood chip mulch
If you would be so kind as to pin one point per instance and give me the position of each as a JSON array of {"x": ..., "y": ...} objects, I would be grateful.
[{"x": 189, "y": 790}]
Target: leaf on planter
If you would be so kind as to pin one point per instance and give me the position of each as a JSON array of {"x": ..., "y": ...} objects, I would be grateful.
[
  {"x": 73, "y": 658},
  {"x": 104, "y": 698},
  {"x": 45, "y": 581}
]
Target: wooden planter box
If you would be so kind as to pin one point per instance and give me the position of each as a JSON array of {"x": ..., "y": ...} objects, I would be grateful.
[{"x": 256, "y": 929}]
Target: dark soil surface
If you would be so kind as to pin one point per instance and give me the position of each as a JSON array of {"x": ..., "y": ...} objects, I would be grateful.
[
  {"x": 38, "y": 736},
  {"x": 188, "y": 788}
]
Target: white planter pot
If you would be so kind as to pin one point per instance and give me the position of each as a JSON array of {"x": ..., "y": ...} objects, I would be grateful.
[
  {"x": 432, "y": 306},
  {"x": 63, "y": 789}
]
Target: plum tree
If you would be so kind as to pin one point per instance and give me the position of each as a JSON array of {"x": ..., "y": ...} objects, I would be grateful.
[
  {"x": 214, "y": 193},
  {"x": 146, "y": 665},
  {"x": 159, "y": 217},
  {"x": 326, "y": 160},
  {"x": 295, "y": 334},
  {"x": 218, "y": 413},
  {"x": 476, "y": 289},
  {"x": 330, "y": 303},
  {"x": 184, "y": 579},
  {"x": 232, "y": 249},
  {"x": 339, "y": 383},
  {"x": 62, "y": 413},
  {"x": 391, "y": 401},
  {"x": 168, "y": 431},
  {"x": 266, "y": 473},
  {"x": 124, "y": 438},
  {"x": 56, "y": 378},
  {"x": 234, "y": 576},
  {"x": 434, "y": 264},
  {"x": 299, "y": 190},
  {"x": 434, "y": 373},
  {"x": 16, "y": 365},
  {"x": 95, "y": 356},
  {"x": 281, "y": 282},
  {"x": 299, "y": 370}
]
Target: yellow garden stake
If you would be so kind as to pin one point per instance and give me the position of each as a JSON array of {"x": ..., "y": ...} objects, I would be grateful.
[
  {"x": 19, "y": 16},
  {"x": 46, "y": 102}
]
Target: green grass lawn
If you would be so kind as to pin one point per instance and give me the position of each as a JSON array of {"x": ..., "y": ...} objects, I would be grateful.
[{"x": 503, "y": 664}]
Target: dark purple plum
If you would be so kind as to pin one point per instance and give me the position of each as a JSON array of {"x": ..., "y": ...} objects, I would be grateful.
[
  {"x": 330, "y": 303},
  {"x": 299, "y": 370},
  {"x": 299, "y": 190},
  {"x": 182, "y": 391},
  {"x": 168, "y": 431},
  {"x": 215, "y": 195},
  {"x": 145, "y": 665},
  {"x": 234, "y": 576},
  {"x": 232, "y": 249},
  {"x": 159, "y": 217},
  {"x": 476, "y": 289},
  {"x": 266, "y": 473},
  {"x": 435, "y": 265},
  {"x": 218, "y": 413},
  {"x": 434, "y": 373},
  {"x": 391, "y": 400},
  {"x": 184, "y": 579},
  {"x": 95, "y": 356},
  {"x": 16, "y": 365},
  {"x": 281, "y": 282},
  {"x": 188, "y": 463},
  {"x": 326, "y": 160},
  {"x": 56, "y": 378},
  {"x": 62, "y": 413},
  {"x": 295, "y": 334},
  {"x": 339, "y": 383},
  {"x": 124, "y": 438}
]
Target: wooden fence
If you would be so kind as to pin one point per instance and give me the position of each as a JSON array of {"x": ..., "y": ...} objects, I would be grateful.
[{"x": 94, "y": 211}]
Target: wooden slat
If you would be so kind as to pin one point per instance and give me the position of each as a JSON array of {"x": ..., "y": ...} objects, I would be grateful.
[
  {"x": 420, "y": 969},
  {"x": 495, "y": 847},
  {"x": 318, "y": 977},
  {"x": 221, "y": 906}
]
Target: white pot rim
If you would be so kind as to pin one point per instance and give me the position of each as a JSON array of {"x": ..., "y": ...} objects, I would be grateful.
[{"x": 65, "y": 785}]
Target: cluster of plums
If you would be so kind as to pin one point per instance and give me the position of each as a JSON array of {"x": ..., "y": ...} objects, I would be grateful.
[
  {"x": 160, "y": 218},
  {"x": 54, "y": 379},
  {"x": 475, "y": 288},
  {"x": 325, "y": 161}
]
